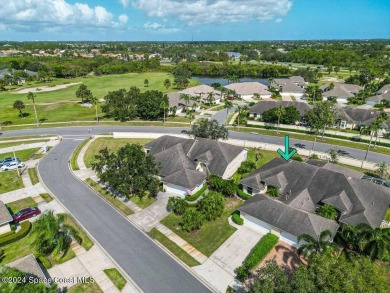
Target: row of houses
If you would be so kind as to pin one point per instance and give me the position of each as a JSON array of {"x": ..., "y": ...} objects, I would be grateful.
[
  {"x": 303, "y": 187},
  {"x": 20, "y": 75},
  {"x": 347, "y": 117}
]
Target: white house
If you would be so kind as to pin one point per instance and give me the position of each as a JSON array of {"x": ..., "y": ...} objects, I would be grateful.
[
  {"x": 249, "y": 90},
  {"x": 203, "y": 92}
]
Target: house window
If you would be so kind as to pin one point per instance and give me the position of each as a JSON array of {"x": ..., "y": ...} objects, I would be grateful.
[
  {"x": 343, "y": 124},
  {"x": 249, "y": 190}
]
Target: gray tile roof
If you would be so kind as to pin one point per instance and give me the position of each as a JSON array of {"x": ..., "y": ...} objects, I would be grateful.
[
  {"x": 362, "y": 116},
  {"x": 248, "y": 88},
  {"x": 384, "y": 89},
  {"x": 200, "y": 90},
  {"x": 29, "y": 265},
  {"x": 341, "y": 90},
  {"x": 5, "y": 216},
  {"x": 294, "y": 84},
  {"x": 379, "y": 98},
  {"x": 179, "y": 158},
  {"x": 358, "y": 201},
  {"x": 263, "y": 106},
  {"x": 287, "y": 218},
  {"x": 174, "y": 100}
]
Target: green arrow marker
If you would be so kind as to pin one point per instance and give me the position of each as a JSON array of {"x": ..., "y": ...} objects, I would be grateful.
[{"x": 287, "y": 154}]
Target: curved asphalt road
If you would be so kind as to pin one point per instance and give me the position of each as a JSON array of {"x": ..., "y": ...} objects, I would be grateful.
[{"x": 148, "y": 265}]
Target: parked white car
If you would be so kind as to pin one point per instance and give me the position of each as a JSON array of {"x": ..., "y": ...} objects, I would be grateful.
[{"x": 12, "y": 166}]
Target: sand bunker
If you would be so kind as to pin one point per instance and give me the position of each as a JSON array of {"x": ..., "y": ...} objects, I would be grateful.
[{"x": 46, "y": 88}]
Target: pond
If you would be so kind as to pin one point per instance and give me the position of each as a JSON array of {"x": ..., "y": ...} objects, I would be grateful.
[
  {"x": 233, "y": 54},
  {"x": 209, "y": 80}
]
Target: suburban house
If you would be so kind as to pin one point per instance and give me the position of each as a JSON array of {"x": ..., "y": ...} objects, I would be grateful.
[
  {"x": 304, "y": 187},
  {"x": 248, "y": 90},
  {"x": 203, "y": 91},
  {"x": 30, "y": 266},
  {"x": 293, "y": 86},
  {"x": 5, "y": 219},
  {"x": 22, "y": 75},
  {"x": 341, "y": 91},
  {"x": 383, "y": 94},
  {"x": 187, "y": 162},
  {"x": 257, "y": 110},
  {"x": 175, "y": 101},
  {"x": 353, "y": 118}
]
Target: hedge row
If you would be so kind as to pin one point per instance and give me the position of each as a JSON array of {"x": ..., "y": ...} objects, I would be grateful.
[
  {"x": 326, "y": 134},
  {"x": 257, "y": 254},
  {"x": 242, "y": 194},
  {"x": 196, "y": 195},
  {"x": 237, "y": 219},
  {"x": 25, "y": 228}
]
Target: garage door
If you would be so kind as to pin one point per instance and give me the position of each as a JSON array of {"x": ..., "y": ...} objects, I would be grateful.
[
  {"x": 171, "y": 188},
  {"x": 256, "y": 224},
  {"x": 289, "y": 239}
]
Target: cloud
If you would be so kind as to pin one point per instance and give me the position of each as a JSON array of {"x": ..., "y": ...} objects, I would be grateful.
[
  {"x": 37, "y": 15},
  {"x": 196, "y": 12},
  {"x": 160, "y": 28},
  {"x": 125, "y": 3}
]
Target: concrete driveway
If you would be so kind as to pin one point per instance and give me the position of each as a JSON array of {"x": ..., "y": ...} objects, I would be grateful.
[
  {"x": 218, "y": 270},
  {"x": 153, "y": 214}
]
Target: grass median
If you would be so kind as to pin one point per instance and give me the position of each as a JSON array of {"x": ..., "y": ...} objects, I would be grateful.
[
  {"x": 32, "y": 172},
  {"x": 115, "y": 276},
  {"x": 76, "y": 153}
]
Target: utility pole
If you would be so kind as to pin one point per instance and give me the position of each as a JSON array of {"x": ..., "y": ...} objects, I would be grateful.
[{"x": 15, "y": 161}]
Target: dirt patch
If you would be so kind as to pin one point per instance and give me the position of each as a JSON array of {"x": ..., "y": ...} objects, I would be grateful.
[{"x": 46, "y": 88}]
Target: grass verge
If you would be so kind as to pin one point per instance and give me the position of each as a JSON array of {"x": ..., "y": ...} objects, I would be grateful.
[
  {"x": 73, "y": 159},
  {"x": 32, "y": 172},
  {"x": 10, "y": 181},
  {"x": 143, "y": 202},
  {"x": 174, "y": 248},
  {"x": 86, "y": 242},
  {"x": 87, "y": 287},
  {"x": 23, "y": 155},
  {"x": 46, "y": 197},
  {"x": 20, "y": 204},
  {"x": 115, "y": 276},
  {"x": 109, "y": 197},
  {"x": 212, "y": 233}
]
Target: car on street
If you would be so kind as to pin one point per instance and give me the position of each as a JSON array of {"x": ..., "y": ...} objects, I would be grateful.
[
  {"x": 26, "y": 214},
  {"x": 12, "y": 166},
  {"x": 8, "y": 160}
]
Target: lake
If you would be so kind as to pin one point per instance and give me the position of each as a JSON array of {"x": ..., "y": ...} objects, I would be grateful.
[{"x": 223, "y": 81}]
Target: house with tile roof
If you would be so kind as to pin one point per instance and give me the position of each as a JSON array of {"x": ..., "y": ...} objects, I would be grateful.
[
  {"x": 292, "y": 86},
  {"x": 257, "y": 110},
  {"x": 248, "y": 90},
  {"x": 203, "y": 91},
  {"x": 353, "y": 118},
  {"x": 383, "y": 94},
  {"x": 341, "y": 91},
  {"x": 304, "y": 187},
  {"x": 185, "y": 163}
]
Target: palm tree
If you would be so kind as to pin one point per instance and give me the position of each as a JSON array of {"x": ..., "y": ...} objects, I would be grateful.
[
  {"x": 227, "y": 105},
  {"x": 374, "y": 242},
  {"x": 146, "y": 82},
  {"x": 190, "y": 115},
  {"x": 52, "y": 234},
  {"x": 19, "y": 105},
  {"x": 348, "y": 236},
  {"x": 279, "y": 111},
  {"x": 95, "y": 101},
  {"x": 186, "y": 98},
  {"x": 240, "y": 110},
  {"x": 167, "y": 83},
  {"x": 382, "y": 169},
  {"x": 32, "y": 97},
  {"x": 210, "y": 98},
  {"x": 312, "y": 246},
  {"x": 373, "y": 128},
  {"x": 164, "y": 106},
  {"x": 314, "y": 93},
  {"x": 383, "y": 117}
]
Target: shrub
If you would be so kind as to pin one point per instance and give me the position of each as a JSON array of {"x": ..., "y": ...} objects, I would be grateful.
[
  {"x": 314, "y": 157},
  {"x": 327, "y": 211},
  {"x": 257, "y": 254},
  {"x": 177, "y": 205},
  {"x": 43, "y": 260},
  {"x": 192, "y": 220},
  {"x": 226, "y": 187},
  {"x": 25, "y": 229},
  {"x": 297, "y": 158},
  {"x": 273, "y": 191},
  {"x": 212, "y": 205},
  {"x": 196, "y": 195},
  {"x": 237, "y": 219},
  {"x": 242, "y": 194},
  {"x": 246, "y": 167}
]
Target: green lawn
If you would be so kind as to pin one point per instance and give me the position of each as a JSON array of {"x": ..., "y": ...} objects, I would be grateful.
[
  {"x": 46, "y": 197},
  {"x": 10, "y": 181},
  {"x": 387, "y": 216},
  {"x": 85, "y": 288},
  {"x": 115, "y": 276},
  {"x": 183, "y": 119},
  {"x": 174, "y": 248},
  {"x": 212, "y": 234},
  {"x": 143, "y": 202},
  {"x": 23, "y": 248},
  {"x": 20, "y": 204},
  {"x": 113, "y": 144},
  {"x": 331, "y": 141},
  {"x": 86, "y": 242},
  {"x": 65, "y": 105},
  {"x": 32, "y": 172},
  {"x": 23, "y": 155},
  {"x": 109, "y": 197},
  {"x": 18, "y": 143},
  {"x": 13, "y": 138},
  {"x": 73, "y": 159}
]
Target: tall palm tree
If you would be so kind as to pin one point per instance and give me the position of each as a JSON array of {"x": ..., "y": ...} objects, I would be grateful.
[
  {"x": 32, "y": 97},
  {"x": 210, "y": 98},
  {"x": 348, "y": 236},
  {"x": 375, "y": 242},
  {"x": 186, "y": 98},
  {"x": 19, "y": 105},
  {"x": 190, "y": 115},
  {"x": 240, "y": 110},
  {"x": 312, "y": 246},
  {"x": 164, "y": 107},
  {"x": 52, "y": 234},
  {"x": 382, "y": 169},
  {"x": 314, "y": 93},
  {"x": 373, "y": 128},
  {"x": 279, "y": 111},
  {"x": 95, "y": 101},
  {"x": 227, "y": 105}
]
